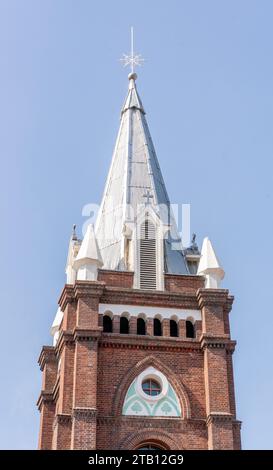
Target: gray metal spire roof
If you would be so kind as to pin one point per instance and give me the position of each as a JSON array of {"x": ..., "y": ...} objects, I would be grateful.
[{"x": 134, "y": 170}]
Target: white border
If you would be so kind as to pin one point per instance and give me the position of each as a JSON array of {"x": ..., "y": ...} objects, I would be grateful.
[{"x": 149, "y": 312}]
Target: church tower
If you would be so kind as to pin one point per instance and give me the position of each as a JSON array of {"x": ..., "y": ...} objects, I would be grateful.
[{"x": 142, "y": 353}]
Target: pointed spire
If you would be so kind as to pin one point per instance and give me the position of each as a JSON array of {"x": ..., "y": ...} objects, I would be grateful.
[
  {"x": 132, "y": 100},
  {"x": 209, "y": 265},
  {"x": 72, "y": 253},
  {"x": 89, "y": 258},
  {"x": 134, "y": 171}
]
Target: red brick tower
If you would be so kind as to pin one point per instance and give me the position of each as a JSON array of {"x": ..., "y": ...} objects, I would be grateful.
[{"x": 142, "y": 354}]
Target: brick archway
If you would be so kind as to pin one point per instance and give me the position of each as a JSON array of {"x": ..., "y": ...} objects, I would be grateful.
[
  {"x": 136, "y": 370},
  {"x": 152, "y": 436}
]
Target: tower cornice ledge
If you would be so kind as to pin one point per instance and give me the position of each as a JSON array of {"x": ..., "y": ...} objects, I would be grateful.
[
  {"x": 223, "y": 341},
  {"x": 219, "y": 416},
  {"x": 62, "y": 418},
  {"x": 114, "y": 295},
  {"x": 152, "y": 343},
  {"x": 67, "y": 296},
  {"x": 86, "y": 334},
  {"x": 45, "y": 397},
  {"x": 215, "y": 297},
  {"x": 65, "y": 337},
  {"x": 81, "y": 412},
  {"x": 85, "y": 289},
  {"x": 47, "y": 355}
]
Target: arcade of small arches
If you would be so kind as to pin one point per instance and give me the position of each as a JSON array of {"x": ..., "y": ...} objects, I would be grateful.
[{"x": 123, "y": 326}]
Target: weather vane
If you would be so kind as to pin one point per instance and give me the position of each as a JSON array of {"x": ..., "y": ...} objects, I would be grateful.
[{"x": 132, "y": 59}]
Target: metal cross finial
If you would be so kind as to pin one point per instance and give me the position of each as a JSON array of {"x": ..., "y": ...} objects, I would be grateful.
[
  {"x": 148, "y": 196},
  {"x": 132, "y": 59}
]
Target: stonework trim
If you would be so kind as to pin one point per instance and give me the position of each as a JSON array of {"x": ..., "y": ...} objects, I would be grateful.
[
  {"x": 214, "y": 297},
  {"x": 45, "y": 397},
  {"x": 223, "y": 342},
  {"x": 219, "y": 417},
  {"x": 83, "y": 413},
  {"x": 62, "y": 418},
  {"x": 112, "y": 340},
  {"x": 47, "y": 355},
  {"x": 87, "y": 334}
]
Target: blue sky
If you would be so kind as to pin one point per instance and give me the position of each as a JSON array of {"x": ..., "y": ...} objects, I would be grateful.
[{"x": 207, "y": 87}]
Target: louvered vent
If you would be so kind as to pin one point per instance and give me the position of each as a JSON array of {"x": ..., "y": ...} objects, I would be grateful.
[{"x": 147, "y": 256}]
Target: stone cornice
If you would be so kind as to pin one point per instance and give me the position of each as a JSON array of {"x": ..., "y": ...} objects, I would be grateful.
[
  {"x": 158, "y": 422},
  {"x": 45, "y": 397},
  {"x": 87, "y": 289},
  {"x": 117, "y": 341},
  {"x": 65, "y": 337},
  {"x": 81, "y": 412},
  {"x": 219, "y": 417},
  {"x": 62, "y": 418},
  {"x": 237, "y": 424},
  {"x": 228, "y": 305},
  {"x": 47, "y": 355},
  {"x": 223, "y": 341},
  {"x": 84, "y": 334},
  {"x": 212, "y": 297},
  {"x": 81, "y": 289},
  {"x": 117, "y": 295},
  {"x": 67, "y": 296}
]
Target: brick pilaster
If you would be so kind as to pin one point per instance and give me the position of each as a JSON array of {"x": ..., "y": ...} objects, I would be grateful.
[
  {"x": 46, "y": 405},
  {"x": 86, "y": 336},
  {"x": 116, "y": 323},
  {"x": 217, "y": 346},
  {"x": 150, "y": 327},
  {"x": 182, "y": 328},
  {"x": 166, "y": 327},
  {"x": 133, "y": 326}
]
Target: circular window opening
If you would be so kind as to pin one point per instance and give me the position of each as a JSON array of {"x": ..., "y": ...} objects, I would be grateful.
[{"x": 151, "y": 387}]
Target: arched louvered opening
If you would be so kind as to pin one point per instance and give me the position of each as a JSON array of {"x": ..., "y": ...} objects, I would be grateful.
[
  {"x": 148, "y": 255},
  {"x": 107, "y": 324},
  {"x": 157, "y": 327},
  {"x": 190, "y": 330},
  {"x": 124, "y": 326},
  {"x": 141, "y": 326},
  {"x": 173, "y": 328}
]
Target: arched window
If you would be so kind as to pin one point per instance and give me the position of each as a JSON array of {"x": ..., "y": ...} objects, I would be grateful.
[
  {"x": 190, "y": 330},
  {"x": 150, "y": 446},
  {"x": 107, "y": 324},
  {"x": 124, "y": 326},
  {"x": 147, "y": 256},
  {"x": 173, "y": 328},
  {"x": 157, "y": 327},
  {"x": 141, "y": 326}
]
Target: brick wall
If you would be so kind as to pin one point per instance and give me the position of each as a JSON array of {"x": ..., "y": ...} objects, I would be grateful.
[{"x": 81, "y": 402}]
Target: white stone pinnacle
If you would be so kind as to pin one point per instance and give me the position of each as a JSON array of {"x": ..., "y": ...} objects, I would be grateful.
[
  {"x": 209, "y": 265},
  {"x": 89, "y": 258}
]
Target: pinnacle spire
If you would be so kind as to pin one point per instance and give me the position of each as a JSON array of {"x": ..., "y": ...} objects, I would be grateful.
[
  {"x": 134, "y": 171},
  {"x": 89, "y": 250},
  {"x": 209, "y": 265}
]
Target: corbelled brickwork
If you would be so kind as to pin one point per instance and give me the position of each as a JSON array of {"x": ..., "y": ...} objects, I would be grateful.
[{"x": 87, "y": 374}]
